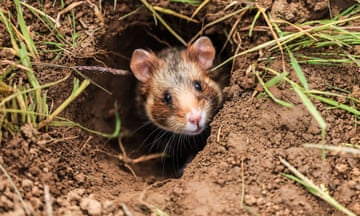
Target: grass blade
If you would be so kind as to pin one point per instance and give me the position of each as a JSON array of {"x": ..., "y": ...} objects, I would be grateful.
[
  {"x": 300, "y": 74},
  {"x": 337, "y": 104},
  {"x": 281, "y": 102},
  {"x": 174, "y": 13},
  {"x": 26, "y": 209},
  {"x": 311, "y": 108},
  {"x": 75, "y": 93},
  {"x": 24, "y": 30},
  {"x": 275, "y": 80},
  {"x": 312, "y": 188},
  {"x": 155, "y": 14},
  {"x": 334, "y": 148},
  {"x": 62, "y": 122}
]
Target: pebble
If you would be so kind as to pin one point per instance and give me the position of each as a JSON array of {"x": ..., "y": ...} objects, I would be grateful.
[
  {"x": 2, "y": 186},
  {"x": 250, "y": 200},
  {"x": 27, "y": 184},
  {"x": 341, "y": 168},
  {"x": 70, "y": 211},
  {"x": 36, "y": 191},
  {"x": 92, "y": 206},
  {"x": 5, "y": 202},
  {"x": 108, "y": 207},
  {"x": 80, "y": 178},
  {"x": 75, "y": 195},
  {"x": 356, "y": 208}
]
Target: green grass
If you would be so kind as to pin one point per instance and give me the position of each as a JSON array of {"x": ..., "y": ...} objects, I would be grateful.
[
  {"x": 25, "y": 102},
  {"x": 24, "y": 49},
  {"x": 335, "y": 34},
  {"x": 310, "y": 35},
  {"x": 318, "y": 191}
]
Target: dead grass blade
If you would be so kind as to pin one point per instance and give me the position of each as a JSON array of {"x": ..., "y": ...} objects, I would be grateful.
[
  {"x": 270, "y": 24},
  {"x": 340, "y": 148},
  {"x": 26, "y": 209},
  {"x": 25, "y": 31},
  {"x": 216, "y": 22},
  {"x": 198, "y": 9},
  {"x": 66, "y": 10},
  {"x": 174, "y": 13},
  {"x": 157, "y": 16}
]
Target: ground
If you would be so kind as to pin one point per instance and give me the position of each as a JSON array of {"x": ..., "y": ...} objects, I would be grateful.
[{"x": 239, "y": 170}]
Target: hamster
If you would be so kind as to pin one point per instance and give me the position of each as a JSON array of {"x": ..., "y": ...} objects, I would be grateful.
[{"x": 175, "y": 91}]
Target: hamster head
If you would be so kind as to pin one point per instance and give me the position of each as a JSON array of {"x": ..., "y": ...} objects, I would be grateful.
[{"x": 176, "y": 92}]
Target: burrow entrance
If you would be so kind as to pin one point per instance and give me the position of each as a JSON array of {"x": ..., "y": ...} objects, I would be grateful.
[{"x": 118, "y": 44}]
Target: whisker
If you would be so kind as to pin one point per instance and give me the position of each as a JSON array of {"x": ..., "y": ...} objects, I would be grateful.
[{"x": 155, "y": 143}]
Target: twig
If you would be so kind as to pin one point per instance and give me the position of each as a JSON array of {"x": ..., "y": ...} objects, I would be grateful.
[
  {"x": 104, "y": 69},
  {"x": 125, "y": 209},
  {"x": 131, "y": 161},
  {"x": 101, "y": 69},
  {"x": 86, "y": 143},
  {"x": 48, "y": 204}
]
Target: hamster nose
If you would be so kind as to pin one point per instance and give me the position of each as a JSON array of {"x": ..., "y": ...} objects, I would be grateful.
[{"x": 194, "y": 117}]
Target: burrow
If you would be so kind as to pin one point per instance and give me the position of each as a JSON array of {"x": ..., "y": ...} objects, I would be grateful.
[{"x": 117, "y": 44}]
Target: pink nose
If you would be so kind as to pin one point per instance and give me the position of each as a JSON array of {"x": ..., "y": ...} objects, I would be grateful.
[{"x": 194, "y": 118}]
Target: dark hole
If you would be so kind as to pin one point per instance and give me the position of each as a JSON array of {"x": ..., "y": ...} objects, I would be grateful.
[{"x": 99, "y": 105}]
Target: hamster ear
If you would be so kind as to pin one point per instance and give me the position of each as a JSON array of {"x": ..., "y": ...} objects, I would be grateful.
[
  {"x": 203, "y": 52},
  {"x": 143, "y": 64}
]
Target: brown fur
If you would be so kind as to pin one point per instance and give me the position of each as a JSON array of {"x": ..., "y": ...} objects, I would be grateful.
[{"x": 175, "y": 72}]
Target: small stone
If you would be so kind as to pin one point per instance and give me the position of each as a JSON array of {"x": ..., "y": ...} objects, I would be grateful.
[
  {"x": 36, "y": 203},
  {"x": 2, "y": 187},
  {"x": 36, "y": 191},
  {"x": 69, "y": 211},
  {"x": 178, "y": 190},
  {"x": 75, "y": 195},
  {"x": 80, "y": 178},
  {"x": 108, "y": 207},
  {"x": 341, "y": 168},
  {"x": 356, "y": 171},
  {"x": 92, "y": 206},
  {"x": 27, "y": 184},
  {"x": 5, "y": 202},
  {"x": 250, "y": 200},
  {"x": 356, "y": 208}
]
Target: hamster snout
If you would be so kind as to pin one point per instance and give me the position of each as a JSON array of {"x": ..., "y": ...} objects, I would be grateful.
[
  {"x": 175, "y": 92},
  {"x": 195, "y": 121}
]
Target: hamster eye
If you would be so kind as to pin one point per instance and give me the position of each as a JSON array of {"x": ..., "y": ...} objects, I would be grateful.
[
  {"x": 167, "y": 98},
  {"x": 197, "y": 86}
]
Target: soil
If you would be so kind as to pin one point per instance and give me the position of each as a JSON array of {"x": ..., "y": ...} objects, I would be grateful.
[{"x": 68, "y": 171}]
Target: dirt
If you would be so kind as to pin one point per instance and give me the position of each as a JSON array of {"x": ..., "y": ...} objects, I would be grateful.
[{"x": 68, "y": 171}]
